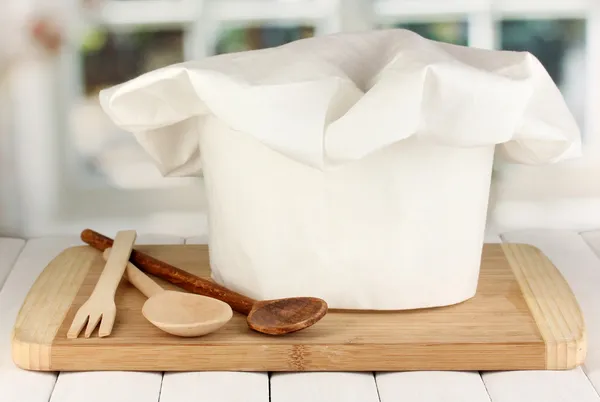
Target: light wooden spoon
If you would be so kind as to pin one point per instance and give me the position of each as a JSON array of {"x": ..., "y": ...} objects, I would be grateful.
[{"x": 177, "y": 313}]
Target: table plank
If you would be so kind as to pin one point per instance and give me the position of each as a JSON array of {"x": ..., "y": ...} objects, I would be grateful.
[
  {"x": 592, "y": 238},
  {"x": 431, "y": 386},
  {"x": 105, "y": 386},
  {"x": 9, "y": 251},
  {"x": 18, "y": 385},
  {"x": 203, "y": 239},
  {"x": 592, "y": 314},
  {"x": 215, "y": 386},
  {"x": 115, "y": 386},
  {"x": 579, "y": 265},
  {"x": 323, "y": 387},
  {"x": 492, "y": 238},
  {"x": 221, "y": 386},
  {"x": 540, "y": 386}
]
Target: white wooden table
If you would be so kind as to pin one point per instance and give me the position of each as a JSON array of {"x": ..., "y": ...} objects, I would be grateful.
[{"x": 577, "y": 255}]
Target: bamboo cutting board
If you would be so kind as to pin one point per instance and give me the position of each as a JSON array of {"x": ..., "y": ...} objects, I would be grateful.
[{"x": 524, "y": 316}]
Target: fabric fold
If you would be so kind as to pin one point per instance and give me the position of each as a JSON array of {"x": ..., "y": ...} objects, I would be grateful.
[{"x": 335, "y": 99}]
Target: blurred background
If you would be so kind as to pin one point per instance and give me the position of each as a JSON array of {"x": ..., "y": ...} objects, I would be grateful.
[{"x": 65, "y": 166}]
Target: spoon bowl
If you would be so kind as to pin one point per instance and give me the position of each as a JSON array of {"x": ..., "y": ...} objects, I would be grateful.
[
  {"x": 177, "y": 313},
  {"x": 283, "y": 316},
  {"x": 186, "y": 314}
]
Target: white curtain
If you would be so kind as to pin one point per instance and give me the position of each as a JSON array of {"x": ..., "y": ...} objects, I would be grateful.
[
  {"x": 21, "y": 55},
  {"x": 12, "y": 38}
]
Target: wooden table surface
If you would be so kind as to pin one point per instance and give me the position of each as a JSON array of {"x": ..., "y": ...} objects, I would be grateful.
[{"x": 577, "y": 256}]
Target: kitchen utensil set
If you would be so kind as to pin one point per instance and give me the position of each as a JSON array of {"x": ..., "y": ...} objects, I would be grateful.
[{"x": 205, "y": 309}]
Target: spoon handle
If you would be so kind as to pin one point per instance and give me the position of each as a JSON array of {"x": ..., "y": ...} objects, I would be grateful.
[
  {"x": 174, "y": 275},
  {"x": 138, "y": 279}
]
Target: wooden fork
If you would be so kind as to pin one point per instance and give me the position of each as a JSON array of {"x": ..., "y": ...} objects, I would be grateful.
[{"x": 100, "y": 306}]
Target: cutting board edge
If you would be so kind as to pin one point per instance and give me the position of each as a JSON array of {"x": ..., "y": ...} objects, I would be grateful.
[
  {"x": 303, "y": 357},
  {"x": 564, "y": 335},
  {"x": 32, "y": 348}
]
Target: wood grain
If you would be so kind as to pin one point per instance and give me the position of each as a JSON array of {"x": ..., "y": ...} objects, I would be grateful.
[
  {"x": 46, "y": 304},
  {"x": 495, "y": 330},
  {"x": 553, "y": 307}
]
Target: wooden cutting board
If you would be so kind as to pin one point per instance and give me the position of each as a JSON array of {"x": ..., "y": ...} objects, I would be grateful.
[{"x": 524, "y": 316}]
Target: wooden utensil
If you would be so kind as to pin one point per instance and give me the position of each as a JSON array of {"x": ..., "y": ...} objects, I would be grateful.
[
  {"x": 177, "y": 313},
  {"x": 273, "y": 317},
  {"x": 101, "y": 304}
]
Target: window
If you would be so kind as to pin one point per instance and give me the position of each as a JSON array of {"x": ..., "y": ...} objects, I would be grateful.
[
  {"x": 103, "y": 154},
  {"x": 559, "y": 44},
  {"x": 106, "y": 156},
  {"x": 259, "y": 37},
  {"x": 455, "y": 32},
  {"x": 100, "y": 177}
]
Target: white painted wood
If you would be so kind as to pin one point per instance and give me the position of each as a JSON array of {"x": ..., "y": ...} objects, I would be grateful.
[
  {"x": 201, "y": 239},
  {"x": 116, "y": 386},
  {"x": 323, "y": 387},
  {"x": 348, "y": 16},
  {"x": 109, "y": 386},
  {"x": 592, "y": 238},
  {"x": 201, "y": 35},
  {"x": 592, "y": 365},
  {"x": 581, "y": 268},
  {"x": 9, "y": 250},
  {"x": 591, "y": 127},
  {"x": 432, "y": 386},
  {"x": 540, "y": 386},
  {"x": 492, "y": 238},
  {"x": 18, "y": 385},
  {"x": 482, "y": 30},
  {"x": 214, "y": 386},
  {"x": 428, "y": 10},
  {"x": 542, "y": 8},
  {"x": 279, "y": 11},
  {"x": 142, "y": 12}
]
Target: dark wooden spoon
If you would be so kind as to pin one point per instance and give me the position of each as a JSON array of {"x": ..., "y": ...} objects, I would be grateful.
[{"x": 273, "y": 317}]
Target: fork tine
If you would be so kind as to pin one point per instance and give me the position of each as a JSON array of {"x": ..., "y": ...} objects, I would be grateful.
[
  {"x": 78, "y": 323},
  {"x": 93, "y": 321},
  {"x": 108, "y": 319}
]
